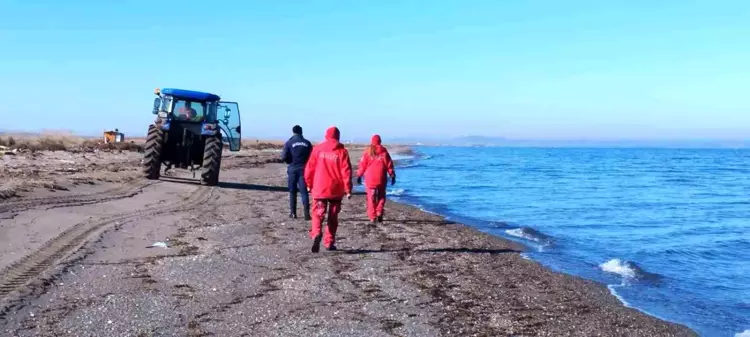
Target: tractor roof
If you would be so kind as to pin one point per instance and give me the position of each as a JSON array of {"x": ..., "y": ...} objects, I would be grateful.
[{"x": 191, "y": 95}]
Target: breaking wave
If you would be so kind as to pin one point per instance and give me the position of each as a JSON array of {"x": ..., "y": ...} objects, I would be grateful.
[
  {"x": 402, "y": 157},
  {"x": 396, "y": 192},
  {"x": 407, "y": 164},
  {"x": 628, "y": 270},
  {"x": 745, "y": 333},
  {"x": 530, "y": 234}
]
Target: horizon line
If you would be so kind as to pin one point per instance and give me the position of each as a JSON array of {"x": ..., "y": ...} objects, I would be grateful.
[{"x": 431, "y": 139}]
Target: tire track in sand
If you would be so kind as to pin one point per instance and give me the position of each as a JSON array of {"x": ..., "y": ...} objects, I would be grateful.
[
  {"x": 126, "y": 190},
  {"x": 68, "y": 242}
]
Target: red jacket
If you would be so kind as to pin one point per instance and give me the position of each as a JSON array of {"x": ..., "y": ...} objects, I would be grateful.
[
  {"x": 375, "y": 164},
  {"x": 328, "y": 172}
]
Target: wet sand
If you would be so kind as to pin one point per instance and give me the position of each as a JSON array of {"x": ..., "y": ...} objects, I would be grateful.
[{"x": 236, "y": 265}]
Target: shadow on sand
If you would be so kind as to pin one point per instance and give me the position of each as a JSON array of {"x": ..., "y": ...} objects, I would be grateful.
[
  {"x": 234, "y": 185},
  {"x": 180, "y": 180},
  {"x": 228, "y": 185},
  {"x": 404, "y": 221},
  {"x": 251, "y": 187},
  {"x": 254, "y": 187},
  {"x": 433, "y": 250}
]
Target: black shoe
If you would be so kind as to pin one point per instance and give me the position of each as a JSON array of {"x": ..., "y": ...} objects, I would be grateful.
[
  {"x": 292, "y": 216},
  {"x": 308, "y": 217},
  {"x": 380, "y": 218},
  {"x": 316, "y": 244},
  {"x": 332, "y": 247}
]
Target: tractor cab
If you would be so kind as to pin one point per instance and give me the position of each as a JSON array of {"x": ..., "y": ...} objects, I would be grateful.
[{"x": 201, "y": 112}]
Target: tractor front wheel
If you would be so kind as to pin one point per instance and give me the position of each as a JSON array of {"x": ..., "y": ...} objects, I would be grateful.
[
  {"x": 212, "y": 160},
  {"x": 152, "y": 155}
]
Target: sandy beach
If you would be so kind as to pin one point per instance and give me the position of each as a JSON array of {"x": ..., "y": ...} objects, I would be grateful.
[{"x": 76, "y": 231}]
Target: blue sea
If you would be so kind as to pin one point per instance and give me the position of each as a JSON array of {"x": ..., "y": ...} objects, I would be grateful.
[{"x": 667, "y": 230}]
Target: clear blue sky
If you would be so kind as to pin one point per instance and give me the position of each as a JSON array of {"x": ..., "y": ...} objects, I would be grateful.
[{"x": 521, "y": 69}]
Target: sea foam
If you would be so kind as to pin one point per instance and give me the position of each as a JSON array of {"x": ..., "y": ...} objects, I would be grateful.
[
  {"x": 400, "y": 157},
  {"x": 396, "y": 192},
  {"x": 630, "y": 271},
  {"x": 613, "y": 291},
  {"x": 617, "y": 266},
  {"x": 530, "y": 234}
]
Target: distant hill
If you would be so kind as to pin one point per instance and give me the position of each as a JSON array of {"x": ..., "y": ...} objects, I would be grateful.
[{"x": 480, "y": 141}]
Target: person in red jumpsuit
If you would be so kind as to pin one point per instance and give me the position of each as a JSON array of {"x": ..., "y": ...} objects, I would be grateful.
[
  {"x": 328, "y": 175},
  {"x": 376, "y": 165}
]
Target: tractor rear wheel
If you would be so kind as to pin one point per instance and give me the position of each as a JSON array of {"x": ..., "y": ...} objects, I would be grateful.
[
  {"x": 152, "y": 156},
  {"x": 212, "y": 160}
]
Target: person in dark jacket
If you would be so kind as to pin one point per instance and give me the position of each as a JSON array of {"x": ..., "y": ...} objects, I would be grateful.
[{"x": 296, "y": 154}]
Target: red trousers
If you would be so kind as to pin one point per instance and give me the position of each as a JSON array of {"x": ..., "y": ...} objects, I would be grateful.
[
  {"x": 375, "y": 202},
  {"x": 321, "y": 208}
]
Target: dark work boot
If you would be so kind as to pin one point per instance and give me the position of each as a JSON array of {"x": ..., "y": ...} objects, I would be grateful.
[
  {"x": 380, "y": 218},
  {"x": 331, "y": 247},
  {"x": 316, "y": 244},
  {"x": 307, "y": 216},
  {"x": 292, "y": 216}
]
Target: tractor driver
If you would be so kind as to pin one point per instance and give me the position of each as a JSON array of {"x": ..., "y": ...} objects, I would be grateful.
[{"x": 186, "y": 112}]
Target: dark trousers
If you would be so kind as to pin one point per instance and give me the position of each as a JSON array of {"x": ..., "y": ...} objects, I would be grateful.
[{"x": 296, "y": 181}]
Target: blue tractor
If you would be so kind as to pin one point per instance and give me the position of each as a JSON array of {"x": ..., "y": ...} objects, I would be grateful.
[{"x": 190, "y": 132}]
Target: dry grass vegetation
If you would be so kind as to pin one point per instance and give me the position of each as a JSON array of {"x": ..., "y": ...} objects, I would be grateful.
[
  {"x": 262, "y": 145},
  {"x": 67, "y": 143},
  {"x": 77, "y": 144},
  {"x": 73, "y": 143}
]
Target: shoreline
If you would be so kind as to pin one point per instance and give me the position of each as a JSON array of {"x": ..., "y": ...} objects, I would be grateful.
[
  {"x": 525, "y": 249},
  {"x": 412, "y": 156},
  {"x": 414, "y": 274},
  {"x": 596, "y": 289}
]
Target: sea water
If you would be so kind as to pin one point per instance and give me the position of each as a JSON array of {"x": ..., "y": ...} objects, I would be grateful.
[{"x": 667, "y": 230}]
